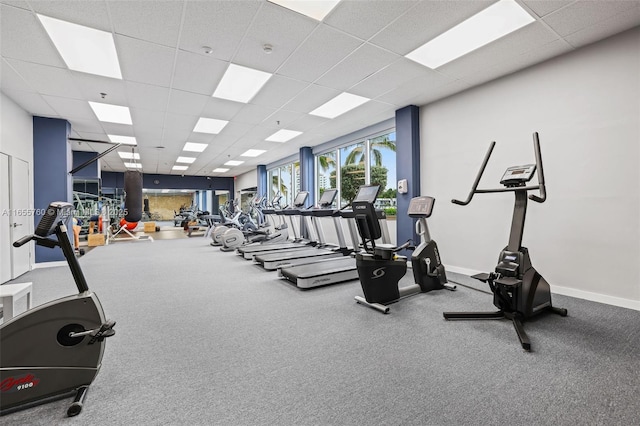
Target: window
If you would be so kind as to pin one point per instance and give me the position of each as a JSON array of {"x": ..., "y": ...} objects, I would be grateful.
[
  {"x": 370, "y": 161},
  {"x": 284, "y": 180}
]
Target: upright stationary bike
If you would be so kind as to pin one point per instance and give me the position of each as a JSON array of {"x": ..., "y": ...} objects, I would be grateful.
[
  {"x": 519, "y": 291},
  {"x": 55, "y": 349}
]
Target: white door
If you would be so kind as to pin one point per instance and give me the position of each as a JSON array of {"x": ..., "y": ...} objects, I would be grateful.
[
  {"x": 5, "y": 231},
  {"x": 21, "y": 215}
]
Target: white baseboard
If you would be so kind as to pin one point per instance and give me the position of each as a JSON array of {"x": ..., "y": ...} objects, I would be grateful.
[
  {"x": 596, "y": 297},
  {"x": 49, "y": 264},
  {"x": 571, "y": 292}
]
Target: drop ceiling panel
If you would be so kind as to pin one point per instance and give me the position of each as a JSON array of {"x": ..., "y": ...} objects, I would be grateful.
[
  {"x": 425, "y": 21},
  {"x": 294, "y": 30},
  {"x": 180, "y": 121},
  {"x": 416, "y": 88},
  {"x": 23, "y": 37},
  {"x": 93, "y": 14},
  {"x": 543, "y": 8},
  {"x": 86, "y": 127},
  {"x": 628, "y": 19},
  {"x": 231, "y": 132},
  {"x": 139, "y": 19},
  {"x": 218, "y": 24},
  {"x": 311, "y": 98},
  {"x": 70, "y": 108},
  {"x": 198, "y": 73},
  {"x": 147, "y": 119},
  {"x": 22, "y": 4},
  {"x": 583, "y": 14},
  {"x": 363, "y": 62},
  {"x": 146, "y": 96},
  {"x": 145, "y": 62},
  {"x": 278, "y": 91},
  {"x": 221, "y": 109},
  {"x": 389, "y": 78},
  {"x": 253, "y": 114},
  {"x": 47, "y": 80},
  {"x": 324, "y": 48},
  {"x": 91, "y": 86},
  {"x": 11, "y": 80},
  {"x": 504, "y": 49},
  {"x": 282, "y": 119},
  {"x": 187, "y": 103},
  {"x": 32, "y": 102},
  {"x": 365, "y": 18},
  {"x": 307, "y": 122},
  {"x": 117, "y": 129}
]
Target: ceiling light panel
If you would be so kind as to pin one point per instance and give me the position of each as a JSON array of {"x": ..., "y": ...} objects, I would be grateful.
[
  {"x": 129, "y": 155},
  {"x": 492, "y": 23},
  {"x": 194, "y": 147},
  {"x": 127, "y": 140},
  {"x": 111, "y": 113},
  {"x": 339, "y": 105},
  {"x": 210, "y": 125},
  {"x": 179, "y": 167},
  {"x": 253, "y": 153},
  {"x": 233, "y": 163},
  {"x": 133, "y": 165},
  {"x": 220, "y": 170},
  {"x": 316, "y": 9},
  {"x": 187, "y": 160},
  {"x": 82, "y": 48},
  {"x": 240, "y": 84},
  {"x": 283, "y": 135}
]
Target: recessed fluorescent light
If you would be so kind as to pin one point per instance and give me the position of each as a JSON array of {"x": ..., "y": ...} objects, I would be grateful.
[
  {"x": 129, "y": 155},
  {"x": 187, "y": 160},
  {"x": 313, "y": 9},
  {"x": 133, "y": 165},
  {"x": 111, "y": 113},
  {"x": 194, "y": 147},
  {"x": 220, "y": 170},
  {"x": 209, "y": 125},
  {"x": 240, "y": 84},
  {"x": 127, "y": 140},
  {"x": 82, "y": 48},
  {"x": 283, "y": 135},
  {"x": 180, "y": 167},
  {"x": 233, "y": 163},
  {"x": 339, "y": 105},
  {"x": 253, "y": 153},
  {"x": 496, "y": 21}
]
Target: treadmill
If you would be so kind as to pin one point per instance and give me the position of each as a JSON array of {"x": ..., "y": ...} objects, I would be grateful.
[
  {"x": 248, "y": 252},
  {"x": 333, "y": 271},
  {"x": 273, "y": 260}
]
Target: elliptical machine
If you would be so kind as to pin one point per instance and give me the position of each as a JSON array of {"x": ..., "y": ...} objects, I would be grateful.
[
  {"x": 519, "y": 291},
  {"x": 377, "y": 262},
  {"x": 54, "y": 349}
]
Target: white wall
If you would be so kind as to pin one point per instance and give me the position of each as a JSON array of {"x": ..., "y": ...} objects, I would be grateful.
[
  {"x": 16, "y": 140},
  {"x": 246, "y": 180},
  {"x": 586, "y": 107}
]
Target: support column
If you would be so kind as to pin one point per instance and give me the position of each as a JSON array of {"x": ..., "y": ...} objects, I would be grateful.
[
  {"x": 263, "y": 188},
  {"x": 52, "y": 161},
  {"x": 407, "y": 167},
  {"x": 307, "y": 181}
]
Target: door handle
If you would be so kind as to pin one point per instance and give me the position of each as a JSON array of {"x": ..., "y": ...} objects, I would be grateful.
[{"x": 15, "y": 225}]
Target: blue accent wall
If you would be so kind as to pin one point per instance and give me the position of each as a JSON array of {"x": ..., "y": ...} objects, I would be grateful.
[
  {"x": 116, "y": 180},
  {"x": 263, "y": 188},
  {"x": 307, "y": 173},
  {"x": 52, "y": 162},
  {"x": 407, "y": 167},
  {"x": 91, "y": 170}
]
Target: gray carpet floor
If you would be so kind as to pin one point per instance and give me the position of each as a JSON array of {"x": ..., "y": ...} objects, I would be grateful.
[{"x": 206, "y": 338}]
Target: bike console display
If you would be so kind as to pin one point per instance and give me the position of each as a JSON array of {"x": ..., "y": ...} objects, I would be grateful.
[
  {"x": 421, "y": 206},
  {"x": 518, "y": 175},
  {"x": 367, "y": 193}
]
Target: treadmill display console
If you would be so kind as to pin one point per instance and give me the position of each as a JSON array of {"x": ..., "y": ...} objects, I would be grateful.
[
  {"x": 328, "y": 197},
  {"x": 421, "y": 206},
  {"x": 300, "y": 199},
  {"x": 367, "y": 193},
  {"x": 518, "y": 175}
]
